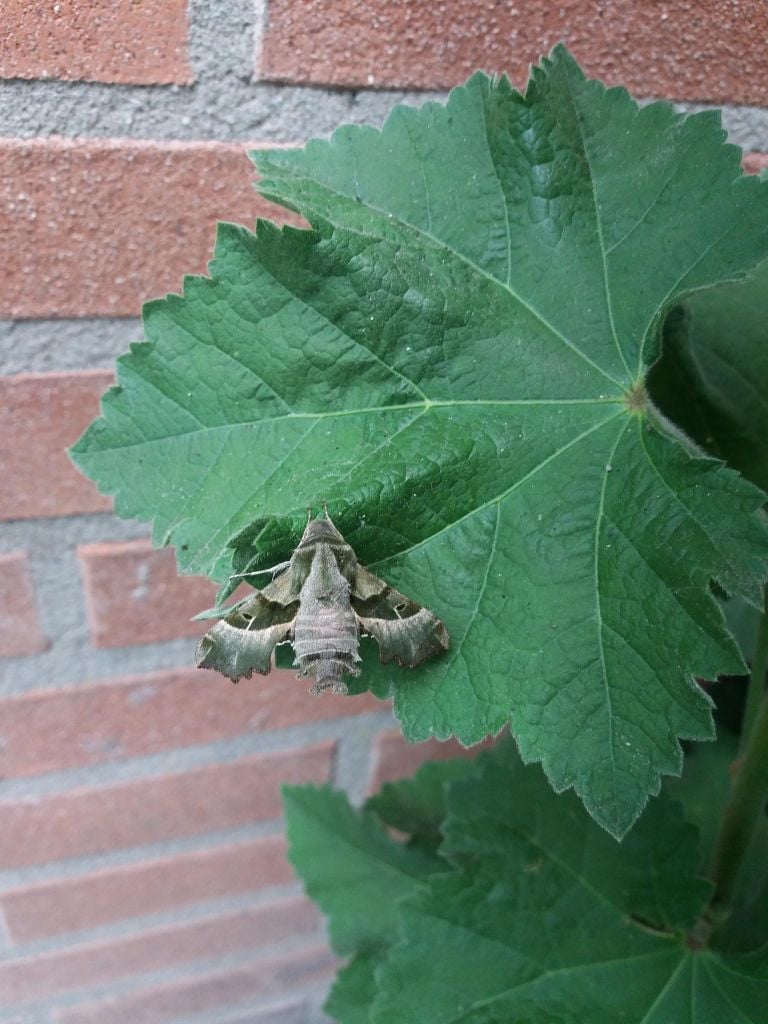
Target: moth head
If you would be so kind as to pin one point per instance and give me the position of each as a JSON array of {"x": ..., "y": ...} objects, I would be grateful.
[{"x": 321, "y": 529}]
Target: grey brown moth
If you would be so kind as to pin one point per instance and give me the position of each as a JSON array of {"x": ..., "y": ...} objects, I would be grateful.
[{"x": 321, "y": 601}]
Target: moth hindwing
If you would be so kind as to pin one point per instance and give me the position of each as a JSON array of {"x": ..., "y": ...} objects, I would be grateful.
[{"x": 321, "y": 601}]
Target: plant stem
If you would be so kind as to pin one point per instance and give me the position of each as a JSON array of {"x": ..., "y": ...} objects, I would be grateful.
[
  {"x": 742, "y": 813},
  {"x": 757, "y": 677}
]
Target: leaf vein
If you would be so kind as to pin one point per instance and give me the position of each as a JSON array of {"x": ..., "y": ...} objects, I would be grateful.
[
  {"x": 599, "y": 226},
  {"x": 504, "y": 494},
  {"x": 462, "y": 258},
  {"x": 598, "y": 610}
]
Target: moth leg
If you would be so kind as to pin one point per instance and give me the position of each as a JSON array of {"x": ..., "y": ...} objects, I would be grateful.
[{"x": 280, "y": 567}]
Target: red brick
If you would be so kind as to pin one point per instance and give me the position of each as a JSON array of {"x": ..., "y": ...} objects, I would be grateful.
[
  {"x": 101, "y": 41},
  {"x": 755, "y": 162},
  {"x": 20, "y": 629},
  {"x": 88, "y": 724},
  {"x": 97, "y": 227},
  {"x": 40, "y": 829},
  {"x": 393, "y": 758},
  {"x": 688, "y": 50},
  {"x": 98, "y": 963},
  {"x": 135, "y": 595},
  {"x": 41, "y": 414},
  {"x": 72, "y": 904},
  {"x": 265, "y": 979}
]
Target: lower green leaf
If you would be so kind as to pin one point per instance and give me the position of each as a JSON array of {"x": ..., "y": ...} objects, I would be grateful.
[
  {"x": 350, "y": 866},
  {"x": 353, "y": 991},
  {"x": 546, "y": 921},
  {"x": 531, "y": 915},
  {"x": 416, "y": 806}
]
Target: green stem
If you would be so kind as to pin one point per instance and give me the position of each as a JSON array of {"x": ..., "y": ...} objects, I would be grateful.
[
  {"x": 742, "y": 813},
  {"x": 757, "y": 677}
]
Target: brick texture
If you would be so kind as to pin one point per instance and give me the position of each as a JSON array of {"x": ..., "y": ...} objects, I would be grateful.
[
  {"x": 135, "y": 595},
  {"x": 20, "y": 629},
  {"x": 97, "y": 227},
  {"x": 99, "y": 41},
  {"x": 67, "y": 904},
  {"x": 99, "y": 963},
  {"x": 40, "y": 416},
  {"x": 37, "y": 830},
  {"x": 393, "y": 758},
  {"x": 89, "y": 724},
  {"x": 264, "y": 978},
  {"x": 687, "y": 50}
]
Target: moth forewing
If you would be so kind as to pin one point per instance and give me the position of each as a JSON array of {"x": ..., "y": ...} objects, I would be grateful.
[
  {"x": 404, "y": 631},
  {"x": 242, "y": 643},
  {"x": 322, "y": 602}
]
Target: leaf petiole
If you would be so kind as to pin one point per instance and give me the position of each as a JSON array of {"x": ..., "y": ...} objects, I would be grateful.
[
  {"x": 742, "y": 813},
  {"x": 757, "y": 677}
]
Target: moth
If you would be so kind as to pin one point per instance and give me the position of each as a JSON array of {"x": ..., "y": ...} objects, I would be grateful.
[{"x": 321, "y": 601}]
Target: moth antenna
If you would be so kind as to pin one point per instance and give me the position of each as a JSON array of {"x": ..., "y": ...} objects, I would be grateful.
[
  {"x": 309, "y": 514},
  {"x": 325, "y": 509}
]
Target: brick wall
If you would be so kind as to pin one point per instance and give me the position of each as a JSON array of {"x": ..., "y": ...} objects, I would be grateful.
[{"x": 143, "y": 877}]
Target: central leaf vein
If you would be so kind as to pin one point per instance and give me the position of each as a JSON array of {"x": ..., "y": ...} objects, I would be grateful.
[{"x": 598, "y": 609}]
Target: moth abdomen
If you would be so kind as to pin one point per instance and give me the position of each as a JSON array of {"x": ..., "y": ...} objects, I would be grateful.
[
  {"x": 326, "y": 625},
  {"x": 328, "y": 666},
  {"x": 329, "y": 673},
  {"x": 327, "y": 655}
]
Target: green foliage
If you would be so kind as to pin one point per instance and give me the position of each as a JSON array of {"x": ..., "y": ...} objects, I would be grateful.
[
  {"x": 522, "y": 355},
  {"x": 354, "y": 990},
  {"x": 534, "y": 915},
  {"x": 454, "y": 358},
  {"x": 711, "y": 377},
  {"x": 416, "y": 807},
  {"x": 704, "y": 789},
  {"x": 357, "y": 873},
  {"x": 350, "y": 866}
]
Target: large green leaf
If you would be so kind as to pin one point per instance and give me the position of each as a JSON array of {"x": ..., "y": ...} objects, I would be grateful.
[
  {"x": 546, "y": 921},
  {"x": 454, "y": 359}
]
